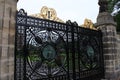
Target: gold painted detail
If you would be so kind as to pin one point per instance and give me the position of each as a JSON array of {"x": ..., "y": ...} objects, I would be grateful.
[
  {"x": 88, "y": 24},
  {"x": 48, "y": 13}
]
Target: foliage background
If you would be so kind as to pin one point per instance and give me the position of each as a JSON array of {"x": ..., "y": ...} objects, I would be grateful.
[{"x": 111, "y": 4}]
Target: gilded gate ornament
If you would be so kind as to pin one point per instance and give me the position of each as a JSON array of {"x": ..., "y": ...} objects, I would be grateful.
[
  {"x": 88, "y": 24},
  {"x": 50, "y": 14},
  {"x": 47, "y": 13}
]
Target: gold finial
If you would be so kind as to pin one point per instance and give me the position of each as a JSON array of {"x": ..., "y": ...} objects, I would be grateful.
[
  {"x": 47, "y": 13},
  {"x": 88, "y": 24}
]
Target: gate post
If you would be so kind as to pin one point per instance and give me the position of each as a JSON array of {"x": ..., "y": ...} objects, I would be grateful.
[
  {"x": 7, "y": 36},
  {"x": 107, "y": 25}
]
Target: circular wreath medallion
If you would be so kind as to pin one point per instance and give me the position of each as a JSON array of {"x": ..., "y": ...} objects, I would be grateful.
[{"x": 49, "y": 52}]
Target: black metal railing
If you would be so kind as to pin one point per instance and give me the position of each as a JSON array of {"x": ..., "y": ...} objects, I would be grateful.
[{"x": 48, "y": 50}]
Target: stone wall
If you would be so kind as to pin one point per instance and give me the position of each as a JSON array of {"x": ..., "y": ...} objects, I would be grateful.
[
  {"x": 7, "y": 38},
  {"x": 118, "y": 55},
  {"x": 118, "y": 43}
]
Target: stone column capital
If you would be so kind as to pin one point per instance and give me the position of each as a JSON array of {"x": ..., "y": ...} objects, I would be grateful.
[{"x": 105, "y": 18}]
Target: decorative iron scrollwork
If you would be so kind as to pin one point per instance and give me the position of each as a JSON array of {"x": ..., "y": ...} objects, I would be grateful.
[
  {"x": 49, "y": 50},
  {"x": 89, "y": 53},
  {"x": 22, "y": 12},
  {"x": 46, "y": 53}
]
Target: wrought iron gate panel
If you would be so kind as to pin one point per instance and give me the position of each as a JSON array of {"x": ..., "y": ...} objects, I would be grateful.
[{"x": 48, "y": 50}]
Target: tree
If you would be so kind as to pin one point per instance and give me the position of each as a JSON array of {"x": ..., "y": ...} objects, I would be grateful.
[{"x": 111, "y": 4}]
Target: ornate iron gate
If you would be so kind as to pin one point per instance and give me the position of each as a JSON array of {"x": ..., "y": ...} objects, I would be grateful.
[{"x": 48, "y": 50}]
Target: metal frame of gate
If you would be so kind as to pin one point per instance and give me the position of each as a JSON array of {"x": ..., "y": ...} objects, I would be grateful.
[{"x": 48, "y": 50}]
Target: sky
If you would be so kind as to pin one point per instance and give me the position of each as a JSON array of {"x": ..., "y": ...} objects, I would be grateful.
[{"x": 74, "y": 10}]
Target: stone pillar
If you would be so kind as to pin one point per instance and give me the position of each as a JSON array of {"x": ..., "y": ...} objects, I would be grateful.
[
  {"x": 107, "y": 25},
  {"x": 7, "y": 38}
]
